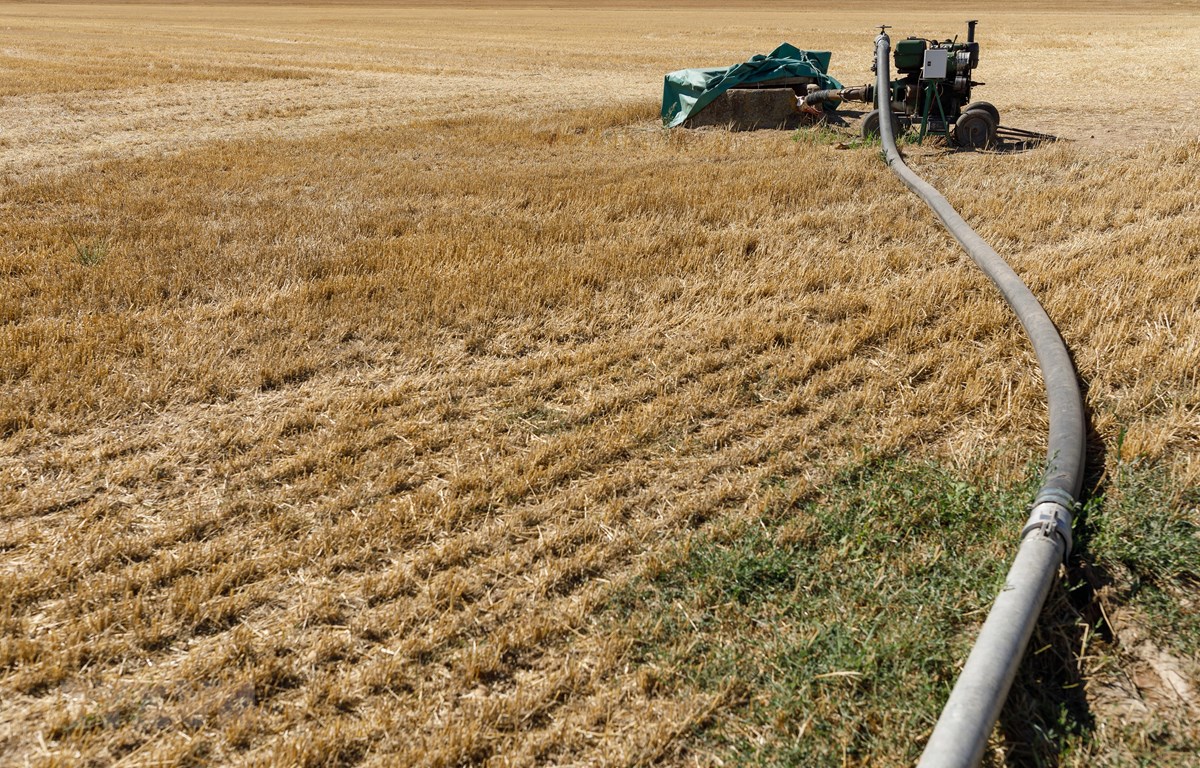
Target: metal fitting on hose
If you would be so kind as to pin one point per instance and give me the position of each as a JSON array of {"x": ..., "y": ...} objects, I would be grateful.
[{"x": 1050, "y": 518}]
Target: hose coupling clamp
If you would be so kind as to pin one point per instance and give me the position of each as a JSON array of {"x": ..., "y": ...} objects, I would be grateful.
[
  {"x": 1049, "y": 518},
  {"x": 1058, "y": 495}
]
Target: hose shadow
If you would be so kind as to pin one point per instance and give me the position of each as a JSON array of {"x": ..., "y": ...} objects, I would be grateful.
[{"x": 1048, "y": 703}]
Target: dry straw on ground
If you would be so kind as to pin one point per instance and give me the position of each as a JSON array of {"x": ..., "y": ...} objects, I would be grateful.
[{"x": 351, "y": 357}]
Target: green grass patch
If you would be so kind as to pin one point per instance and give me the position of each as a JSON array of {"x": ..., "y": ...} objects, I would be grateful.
[
  {"x": 841, "y": 620},
  {"x": 1144, "y": 533}
]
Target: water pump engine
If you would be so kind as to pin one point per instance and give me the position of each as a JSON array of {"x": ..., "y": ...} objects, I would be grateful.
[{"x": 933, "y": 89}]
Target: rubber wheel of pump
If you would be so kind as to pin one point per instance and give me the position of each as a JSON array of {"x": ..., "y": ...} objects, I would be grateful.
[
  {"x": 870, "y": 125},
  {"x": 986, "y": 107},
  {"x": 975, "y": 129}
]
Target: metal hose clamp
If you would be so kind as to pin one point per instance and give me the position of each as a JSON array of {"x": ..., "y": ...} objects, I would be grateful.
[{"x": 1051, "y": 517}]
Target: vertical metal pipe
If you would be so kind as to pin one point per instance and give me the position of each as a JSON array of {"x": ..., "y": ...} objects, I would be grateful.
[{"x": 962, "y": 731}]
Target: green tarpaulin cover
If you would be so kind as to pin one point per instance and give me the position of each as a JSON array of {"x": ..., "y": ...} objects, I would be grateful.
[{"x": 690, "y": 90}]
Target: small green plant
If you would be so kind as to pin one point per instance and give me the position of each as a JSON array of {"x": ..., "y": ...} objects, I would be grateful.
[
  {"x": 821, "y": 133},
  {"x": 827, "y": 135},
  {"x": 90, "y": 253}
]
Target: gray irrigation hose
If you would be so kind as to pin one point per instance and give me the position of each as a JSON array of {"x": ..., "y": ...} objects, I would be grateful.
[{"x": 962, "y": 731}]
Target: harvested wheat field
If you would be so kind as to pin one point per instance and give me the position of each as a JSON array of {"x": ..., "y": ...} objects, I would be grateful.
[{"x": 385, "y": 386}]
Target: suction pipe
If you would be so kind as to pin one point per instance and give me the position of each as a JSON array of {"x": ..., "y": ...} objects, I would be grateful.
[{"x": 962, "y": 731}]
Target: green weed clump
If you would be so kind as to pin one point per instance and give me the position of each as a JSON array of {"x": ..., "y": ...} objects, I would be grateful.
[{"x": 91, "y": 252}]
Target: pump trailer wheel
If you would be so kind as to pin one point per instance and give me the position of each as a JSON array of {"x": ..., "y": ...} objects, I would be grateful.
[
  {"x": 986, "y": 107},
  {"x": 870, "y": 125},
  {"x": 975, "y": 129}
]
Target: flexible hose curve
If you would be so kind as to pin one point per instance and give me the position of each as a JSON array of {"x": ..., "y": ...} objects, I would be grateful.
[{"x": 962, "y": 731}]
